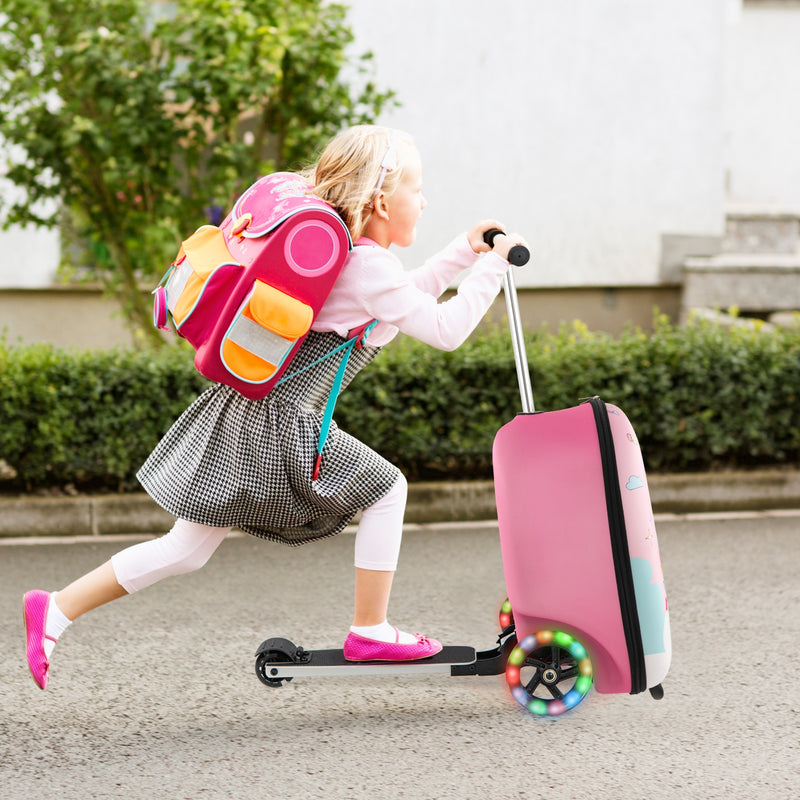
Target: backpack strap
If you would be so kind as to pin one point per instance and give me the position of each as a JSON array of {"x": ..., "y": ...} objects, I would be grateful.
[{"x": 357, "y": 338}]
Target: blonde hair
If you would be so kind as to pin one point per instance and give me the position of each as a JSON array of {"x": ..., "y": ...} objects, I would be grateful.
[{"x": 347, "y": 173}]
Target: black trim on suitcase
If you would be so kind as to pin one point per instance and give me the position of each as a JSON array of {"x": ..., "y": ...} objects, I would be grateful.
[{"x": 619, "y": 548}]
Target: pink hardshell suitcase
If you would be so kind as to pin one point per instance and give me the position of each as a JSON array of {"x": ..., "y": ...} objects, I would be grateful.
[
  {"x": 259, "y": 280},
  {"x": 579, "y": 546}
]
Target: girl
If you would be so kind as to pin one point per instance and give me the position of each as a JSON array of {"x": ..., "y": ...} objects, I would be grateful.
[{"x": 232, "y": 461}]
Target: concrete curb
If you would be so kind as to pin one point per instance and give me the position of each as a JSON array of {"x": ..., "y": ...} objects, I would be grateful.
[{"x": 454, "y": 501}]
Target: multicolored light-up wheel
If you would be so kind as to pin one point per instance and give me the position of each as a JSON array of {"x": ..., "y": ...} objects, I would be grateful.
[
  {"x": 549, "y": 672},
  {"x": 506, "y": 615}
]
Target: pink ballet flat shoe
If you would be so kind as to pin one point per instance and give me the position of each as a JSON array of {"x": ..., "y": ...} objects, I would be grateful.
[
  {"x": 359, "y": 648},
  {"x": 34, "y": 612}
]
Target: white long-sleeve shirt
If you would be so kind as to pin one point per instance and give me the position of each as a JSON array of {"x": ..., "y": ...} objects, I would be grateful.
[{"x": 374, "y": 285}]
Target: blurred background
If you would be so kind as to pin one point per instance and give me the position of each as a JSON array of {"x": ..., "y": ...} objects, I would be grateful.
[{"x": 648, "y": 152}]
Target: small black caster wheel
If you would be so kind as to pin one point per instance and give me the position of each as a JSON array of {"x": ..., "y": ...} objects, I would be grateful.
[{"x": 657, "y": 692}]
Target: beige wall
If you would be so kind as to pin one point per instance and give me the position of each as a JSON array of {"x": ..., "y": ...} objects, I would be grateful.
[
  {"x": 63, "y": 316},
  {"x": 602, "y": 309},
  {"x": 84, "y": 318}
]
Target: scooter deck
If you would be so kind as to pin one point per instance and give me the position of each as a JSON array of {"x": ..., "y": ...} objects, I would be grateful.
[{"x": 333, "y": 662}]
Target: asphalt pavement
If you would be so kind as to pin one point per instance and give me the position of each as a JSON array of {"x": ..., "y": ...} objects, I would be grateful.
[{"x": 155, "y": 695}]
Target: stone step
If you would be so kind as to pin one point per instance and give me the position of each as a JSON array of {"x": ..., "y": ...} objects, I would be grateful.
[
  {"x": 753, "y": 282},
  {"x": 755, "y": 229}
]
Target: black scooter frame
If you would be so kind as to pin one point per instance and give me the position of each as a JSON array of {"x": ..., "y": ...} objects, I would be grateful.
[{"x": 279, "y": 660}]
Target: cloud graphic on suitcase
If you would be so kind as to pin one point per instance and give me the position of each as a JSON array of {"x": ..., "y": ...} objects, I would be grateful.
[{"x": 634, "y": 483}]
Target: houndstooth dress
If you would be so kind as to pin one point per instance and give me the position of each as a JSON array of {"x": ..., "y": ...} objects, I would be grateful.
[{"x": 230, "y": 461}]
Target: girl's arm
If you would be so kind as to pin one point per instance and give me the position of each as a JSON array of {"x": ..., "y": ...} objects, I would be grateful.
[
  {"x": 438, "y": 272},
  {"x": 394, "y": 297}
]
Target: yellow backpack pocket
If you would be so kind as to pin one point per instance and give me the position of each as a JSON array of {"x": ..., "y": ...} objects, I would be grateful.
[{"x": 264, "y": 332}]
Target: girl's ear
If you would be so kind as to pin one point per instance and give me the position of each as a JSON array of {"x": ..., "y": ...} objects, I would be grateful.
[{"x": 380, "y": 206}]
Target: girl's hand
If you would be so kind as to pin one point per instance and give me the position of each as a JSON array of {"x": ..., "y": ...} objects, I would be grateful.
[
  {"x": 475, "y": 236},
  {"x": 502, "y": 243}
]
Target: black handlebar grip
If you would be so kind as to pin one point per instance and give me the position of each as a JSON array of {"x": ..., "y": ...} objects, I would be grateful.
[
  {"x": 517, "y": 255},
  {"x": 490, "y": 235}
]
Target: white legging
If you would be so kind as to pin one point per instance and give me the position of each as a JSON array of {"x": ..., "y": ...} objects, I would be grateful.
[{"x": 189, "y": 545}]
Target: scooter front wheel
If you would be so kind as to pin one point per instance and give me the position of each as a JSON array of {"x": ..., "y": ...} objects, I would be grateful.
[
  {"x": 274, "y": 651},
  {"x": 549, "y": 672}
]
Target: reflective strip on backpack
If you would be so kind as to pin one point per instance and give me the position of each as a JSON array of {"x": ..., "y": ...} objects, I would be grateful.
[
  {"x": 177, "y": 283},
  {"x": 259, "y": 341}
]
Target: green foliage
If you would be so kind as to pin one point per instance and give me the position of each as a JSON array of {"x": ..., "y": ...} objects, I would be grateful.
[
  {"x": 699, "y": 397},
  {"x": 434, "y": 413},
  {"x": 134, "y": 118},
  {"x": 88, "y": 418}
]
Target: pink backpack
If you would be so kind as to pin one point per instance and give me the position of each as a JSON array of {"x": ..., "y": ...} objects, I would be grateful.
[{"x": 245, "y": 294}]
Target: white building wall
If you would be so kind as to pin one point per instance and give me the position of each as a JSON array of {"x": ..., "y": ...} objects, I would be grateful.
[
  {"x": 592, "y": 128},
  {"x": 762, "y": 83},
  {"x": 29, "y": 256}
]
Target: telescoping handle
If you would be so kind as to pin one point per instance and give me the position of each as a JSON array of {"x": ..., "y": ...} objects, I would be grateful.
[{"x": 518, "y": 255}]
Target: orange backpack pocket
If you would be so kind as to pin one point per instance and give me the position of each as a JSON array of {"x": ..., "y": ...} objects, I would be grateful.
[
  {"x": 204, "y": 269},
  {"x": 264, "y": 332}
]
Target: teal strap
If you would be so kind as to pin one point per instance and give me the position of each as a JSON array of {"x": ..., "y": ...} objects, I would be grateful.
[
  {"x": 318, "y": 361},
  {"x": 355, "y": 341}
]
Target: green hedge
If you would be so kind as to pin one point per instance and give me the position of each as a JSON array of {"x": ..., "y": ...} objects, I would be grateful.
[
  {"x": 701, "y": 396},
  {"x": 87, "y": 418}
]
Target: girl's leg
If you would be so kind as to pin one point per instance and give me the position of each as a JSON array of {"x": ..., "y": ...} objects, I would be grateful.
[
  {"x": 372, "y": 596},
  {"x": 94, "y": 589},
  {"x": 185, "y": 548},
  {"x": 376, "y": 552},
  {"x": 377, "y": 549}
]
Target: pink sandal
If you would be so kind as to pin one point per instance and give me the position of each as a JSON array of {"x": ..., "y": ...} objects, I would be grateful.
[
  {"x": 359, "y": 648},
  {"x": 34, "y": 612}
]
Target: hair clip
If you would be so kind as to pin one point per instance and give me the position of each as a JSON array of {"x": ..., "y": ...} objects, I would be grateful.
[{"x": 388, "y": 164}]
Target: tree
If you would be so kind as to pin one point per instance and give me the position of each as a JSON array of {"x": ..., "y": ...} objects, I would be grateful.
[{"x": 143, "y": 119}]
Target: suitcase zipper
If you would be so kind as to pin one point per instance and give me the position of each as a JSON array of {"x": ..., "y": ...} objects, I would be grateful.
[{"x": 619, "y": 548}]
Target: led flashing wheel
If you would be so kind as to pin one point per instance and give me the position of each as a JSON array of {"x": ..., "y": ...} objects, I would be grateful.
[
  {"x": 275, "y": 651},
  {"x": 549, "y": 672},
  {"x": 506, "y": 615}
]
